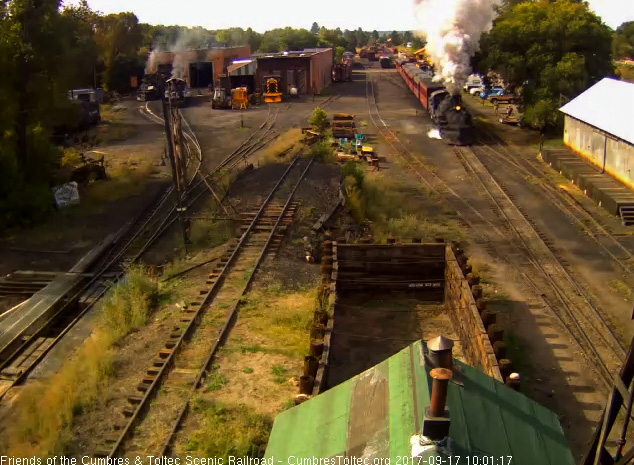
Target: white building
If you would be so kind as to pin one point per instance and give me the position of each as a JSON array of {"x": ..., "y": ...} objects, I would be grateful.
[{"x": 599, "y": 126}]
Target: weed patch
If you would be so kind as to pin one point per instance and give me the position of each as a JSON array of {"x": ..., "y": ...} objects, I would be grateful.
[
  {"x": 280, "y": 374},
  {"x": 215, "y": 381},
  {"x": 394, "y": 209},
  {"x": 41, "y": 418},
  {"x": 619, "y": 287},
  {"x": 281, "y": 149},
  {"x": 229, "y": 431}
]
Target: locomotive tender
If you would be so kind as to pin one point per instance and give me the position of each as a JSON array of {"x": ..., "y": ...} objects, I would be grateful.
[{"x": 453, "y": 121}]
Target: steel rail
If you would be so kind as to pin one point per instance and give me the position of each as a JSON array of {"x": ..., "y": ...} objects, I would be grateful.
[
  {"x": 226, "y": 329},
  {"x": 567, "y": 303},
  {"x": 564, "y": 203},
  {"x": 385, "y": 129},
  {"x": 192, "y": 324}
]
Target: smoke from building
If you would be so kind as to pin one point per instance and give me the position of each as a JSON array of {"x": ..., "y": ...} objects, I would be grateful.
[{"x": 453, "y": 29}]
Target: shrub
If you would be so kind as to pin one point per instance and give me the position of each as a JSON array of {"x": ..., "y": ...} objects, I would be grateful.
[{"x": 319, "y": 119}]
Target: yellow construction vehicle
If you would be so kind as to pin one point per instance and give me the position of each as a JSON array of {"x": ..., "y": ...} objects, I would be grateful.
[
  {"x": 272, "y": 87},
  {"x": 239, "y": 98}
]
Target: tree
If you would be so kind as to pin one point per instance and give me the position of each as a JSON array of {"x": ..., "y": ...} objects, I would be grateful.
[
  {"x": 407, "y": 37},
  {"x": 319, "y": 119},
  {"x": 338, "y": 54},
  {"x": 375, "y": 35},
  {"x": 546, "y": 49},
  {"x": 119, "y": 38},
  {"x": 314, "y": 28},
  {"x": 623, "y": 42},
  {"x": 418, "y": 43},
  {"x": 396, "y": 38}
]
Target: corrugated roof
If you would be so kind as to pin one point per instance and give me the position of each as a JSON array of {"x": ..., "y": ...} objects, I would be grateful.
[
  {"x": 608, "y": 105},
  {"x": 376, "y": 413}
]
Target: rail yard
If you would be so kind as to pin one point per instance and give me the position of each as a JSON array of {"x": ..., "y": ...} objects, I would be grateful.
[{"x": 279, "y": 274}]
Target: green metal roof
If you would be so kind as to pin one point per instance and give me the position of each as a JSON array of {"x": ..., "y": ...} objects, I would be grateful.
[{"x": 376, "y": 413}]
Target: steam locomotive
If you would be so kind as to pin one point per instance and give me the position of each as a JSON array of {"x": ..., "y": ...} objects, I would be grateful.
[{"x": 451, "y": 118}]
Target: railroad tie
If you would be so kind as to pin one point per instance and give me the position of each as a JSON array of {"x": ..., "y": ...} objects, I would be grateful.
[
  {"x": 153, "y": 371},
  {"x": 129, "y": 411},
  {"x": 204, "y": 291},
  {"x": 111, "y": 439},
  {"x": 135, "y": 400},
  {"x": 164, "y": 353},
  {"x": 158, "y": 362}
]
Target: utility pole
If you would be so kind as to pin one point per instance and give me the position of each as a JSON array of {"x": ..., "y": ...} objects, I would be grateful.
[{"x": 174, "y": 137}]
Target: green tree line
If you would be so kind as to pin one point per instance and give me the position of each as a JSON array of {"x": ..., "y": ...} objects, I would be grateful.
[
  {"x": 549, "y": 52},
  {"x": 544, "y": 48}
]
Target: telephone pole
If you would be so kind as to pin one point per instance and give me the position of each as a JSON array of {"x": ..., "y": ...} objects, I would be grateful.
[{"x": 176, "y": 154}]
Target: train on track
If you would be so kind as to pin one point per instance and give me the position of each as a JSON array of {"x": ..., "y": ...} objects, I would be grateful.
[{"x": 450, "y": 117}]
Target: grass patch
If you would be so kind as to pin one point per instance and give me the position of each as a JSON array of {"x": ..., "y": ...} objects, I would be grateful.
[
  {"x": 209, "y": 234},
  {"x": 225, "y": 431},
  {"x": 122, "y": 182},
  {"x": 247, "y": 370},
  {"x": 40, "y": 421},
  {"x": 280, "y": 374},
  {"x": 395, "y": 209},
  {"x": 215, "y": 381},
  {"x": 289, "y": 143},
  {"x": 619, "y": 287},
  {"x": 279, "y": 316},
  {"x": 323, "y": 152}
]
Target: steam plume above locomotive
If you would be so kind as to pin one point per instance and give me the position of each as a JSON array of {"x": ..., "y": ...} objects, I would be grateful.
[{"x": 453, "y": 29}]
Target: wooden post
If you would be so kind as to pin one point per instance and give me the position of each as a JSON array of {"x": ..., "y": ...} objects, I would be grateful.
[
  {"x": 316, "y": 348},
  {"x": 496, "y": 333},
  {"x": 306, "y": 384}
]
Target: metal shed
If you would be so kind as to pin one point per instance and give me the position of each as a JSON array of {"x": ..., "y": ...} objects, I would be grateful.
[
  {"x": 599, "y": 127},
  {"x": 379, "y": 414}
]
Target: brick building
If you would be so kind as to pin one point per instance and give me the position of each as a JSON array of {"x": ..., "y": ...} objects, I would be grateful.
[
  {"x": 310, "y": 70},
  {"x": 198, "y": 67}
]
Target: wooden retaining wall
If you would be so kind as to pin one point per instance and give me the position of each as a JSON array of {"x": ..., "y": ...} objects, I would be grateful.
[
  {"x": 466, "y": 317},
  {"x": 431, "y": 272}
]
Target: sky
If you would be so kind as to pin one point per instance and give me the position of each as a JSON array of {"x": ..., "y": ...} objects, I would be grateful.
[{"x": 263, "y": 15}]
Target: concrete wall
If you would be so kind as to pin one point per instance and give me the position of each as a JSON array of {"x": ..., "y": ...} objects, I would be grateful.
[
  {"x": 461, "y": 305},
  {"x": 219, "y": 57},
  {"x": 594, "y": 145}
]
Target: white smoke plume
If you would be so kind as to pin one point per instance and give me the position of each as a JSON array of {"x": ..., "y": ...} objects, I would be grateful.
[
  {"x": 453, "y": 29},
  {"x": 186, "y": 40}
]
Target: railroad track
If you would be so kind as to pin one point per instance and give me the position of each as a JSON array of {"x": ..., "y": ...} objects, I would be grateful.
[
  {"x": 529, "y": 256},
  {"x": 604, "y": 239},
  {"x": 134, "y": 240},
  {"x": 181, "y": 367},
  {"x": 566, "y": 297}
]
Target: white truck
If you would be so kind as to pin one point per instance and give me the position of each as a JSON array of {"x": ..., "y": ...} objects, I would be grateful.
[{"x": 473, "y": 82}]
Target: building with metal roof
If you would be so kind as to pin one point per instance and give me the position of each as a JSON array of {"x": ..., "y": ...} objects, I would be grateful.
[
  {"x": 390, "y": 411},
  {"x": 599, "y": 126},
  {"x": 308, "y": 70}
]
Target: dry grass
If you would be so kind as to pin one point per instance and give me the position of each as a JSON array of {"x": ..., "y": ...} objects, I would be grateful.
[
  {"x": 396, "y": 209},
  {"x": 282, "y": 148},
  {"x": 619, "y": 287},
  {"x": 253, "y": 378},
  {"x": 228, "y": 431},
  {"x": 39, "y": 423}
]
